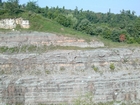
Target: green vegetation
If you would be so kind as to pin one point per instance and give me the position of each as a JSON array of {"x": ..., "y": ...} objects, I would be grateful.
[
  {"x": 96, "y": 69},
  {"x": 47, "y": 72},
  {"x": 42, "y": 24},
  {"x": 88, "y": 100},
  {"x": 84, "y": 100},
  {"x": 2, "y": 72},
  {"x": 62, "y": 68},
  {"x": 112, "y": 66},
  {"x": 122, "y": 28},
  {"x": 9, "y": 50},
  {"x": 40, "y": 49}
]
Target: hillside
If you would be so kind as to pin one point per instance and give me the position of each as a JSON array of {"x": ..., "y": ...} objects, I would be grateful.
[
  {"x": 123, "y": 27},
  {"x": 69, "y": 57},
  {"x": 45, "y": 68},
  {"x": 42, "y": 24}
]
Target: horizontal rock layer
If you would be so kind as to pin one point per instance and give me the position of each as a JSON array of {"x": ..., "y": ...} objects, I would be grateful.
[
  {"x": 18, "y": 39},
  {"x": 63, "y": 76}
]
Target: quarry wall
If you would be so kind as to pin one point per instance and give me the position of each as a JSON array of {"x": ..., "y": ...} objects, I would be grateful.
[{"x": 62, "y": 76}]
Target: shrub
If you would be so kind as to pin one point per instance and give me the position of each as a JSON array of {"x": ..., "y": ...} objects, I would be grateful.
[
  {"x": 131, "y": 40},
  {"x": 63, "y": 20},
  {"x": 112, "y": 67},
  {"x": 96, "y": 69},
  {"x": 62, "y": 68},
  {"x": 48, "y": 72}
]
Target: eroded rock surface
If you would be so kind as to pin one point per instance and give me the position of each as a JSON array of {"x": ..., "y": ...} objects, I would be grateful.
[
  {"x": 61, "y": 76},
  {"x": 12, "y": 23},
  {"x": 17, "y": 39}
]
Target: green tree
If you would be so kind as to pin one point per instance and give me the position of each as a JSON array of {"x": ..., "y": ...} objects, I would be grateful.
[
  {"x": 86, "y": 26},
  {"x": 76, "y": 12},
  {"x": 106, "y": 33},
  {"x": 74, "y": 20},
  {"x": 12, "y": 6},
  {"x": 82, "y": 25},
  {"x": 99, "y": 30},
  {"x": 115, "y": 35},
  {"x": 63, "y": 20},
  {"x": 32, "y": 6}
]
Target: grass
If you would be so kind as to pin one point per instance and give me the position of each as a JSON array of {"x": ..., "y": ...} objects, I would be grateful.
[
  {"x": 96, "y": 69},
  {"x": 42, "y": 24},
  {"x": 4, "y": 49},
  {"x": 110, "y": 44},
  {"x": 40, "y": 49},
  {"x": 88, "y": 100}
]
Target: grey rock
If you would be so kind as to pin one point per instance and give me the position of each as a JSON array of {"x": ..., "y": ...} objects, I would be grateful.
[{"x": 61, "y": 76}]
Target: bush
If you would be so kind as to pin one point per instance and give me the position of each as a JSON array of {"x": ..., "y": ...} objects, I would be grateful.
[
  {"x": 131, "y": 40},
  {"x": 112, "y": 67},
  {"x": 115, "y": 35},
  {"x": 138, "y": 40},
  {"x": 47, "y": 72},
  {"x": 61, "y": 19},
  {"x": 96, "y": 69},
  {"x": 62, "y": 68},
  {"x": 106, "y": 33}
]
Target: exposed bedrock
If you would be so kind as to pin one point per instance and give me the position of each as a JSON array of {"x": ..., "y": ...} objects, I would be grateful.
[
  {"x": 17, "y": 39},
  {"x": 62, "y": 76}
]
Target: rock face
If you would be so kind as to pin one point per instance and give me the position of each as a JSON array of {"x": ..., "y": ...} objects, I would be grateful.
[
  {"x": 56, "y": 89},
  {"x": 12, "y": 23},
  {"x": 17, "y": 39},
  {"x": 62, "y": 76}
]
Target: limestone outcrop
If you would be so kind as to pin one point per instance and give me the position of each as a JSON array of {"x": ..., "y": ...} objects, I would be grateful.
[
  {"x": 18, "y": 39},
  {"x": 62, "y": 76},
  {"x": 12, "y": 23}
]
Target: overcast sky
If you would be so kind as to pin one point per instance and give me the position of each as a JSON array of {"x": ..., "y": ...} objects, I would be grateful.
[{"x": 93, "y": 5}]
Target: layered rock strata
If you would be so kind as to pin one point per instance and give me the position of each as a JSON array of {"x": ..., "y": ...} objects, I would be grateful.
[
  {"x": 18, "y": 39},
  {"x": 62, "y": 76}
]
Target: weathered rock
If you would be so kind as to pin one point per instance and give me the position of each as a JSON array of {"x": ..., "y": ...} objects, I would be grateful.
[
  {"x": 16, "y": 39},
  {"x": 12, "y": 23},
  {"x": 61, "y": 76},
  {"x": 26, "y": 90}
]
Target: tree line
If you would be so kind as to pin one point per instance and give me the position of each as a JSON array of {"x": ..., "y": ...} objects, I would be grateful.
[{"x": 122, "y": 27}]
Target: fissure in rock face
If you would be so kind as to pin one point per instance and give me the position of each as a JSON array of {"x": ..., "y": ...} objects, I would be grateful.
[{"x": 31, "y": 77}]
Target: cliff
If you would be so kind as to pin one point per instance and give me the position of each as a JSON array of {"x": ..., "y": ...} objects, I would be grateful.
[{"x": 62, "y": 76}]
